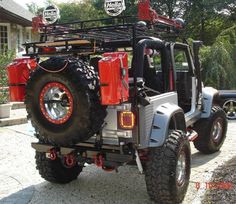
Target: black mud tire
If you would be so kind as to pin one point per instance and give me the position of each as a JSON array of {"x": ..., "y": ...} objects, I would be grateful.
[
  {"x": 88, "y": 114},
  {"x": 161, "y": 169},
  {"x": 54, "y": 171},
  {"x": 206, "y": 142}
]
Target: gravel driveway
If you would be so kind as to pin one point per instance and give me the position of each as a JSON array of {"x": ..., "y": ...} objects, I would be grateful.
[{"x": 20, "y": 182}]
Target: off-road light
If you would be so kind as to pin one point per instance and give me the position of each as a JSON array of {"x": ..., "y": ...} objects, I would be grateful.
[{"x": 126, "y": 120}]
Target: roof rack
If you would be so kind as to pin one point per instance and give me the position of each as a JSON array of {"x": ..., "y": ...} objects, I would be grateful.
[
  {"x": 102, "y": 35},
  {"x": 78, "y": 37}
]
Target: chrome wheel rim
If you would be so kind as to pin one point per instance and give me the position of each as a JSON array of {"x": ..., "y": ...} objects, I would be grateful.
[
  {"x": 181, "y": 169},
  {"x": 230, "y": 109},
  {"x": 56, "y": 103},
  {"x": 217, "y": 130}
]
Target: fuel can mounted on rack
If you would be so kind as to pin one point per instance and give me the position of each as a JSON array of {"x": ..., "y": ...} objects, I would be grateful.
[
  {"x": 114, "y": 80},
  {"x": 18, "y": 74}
]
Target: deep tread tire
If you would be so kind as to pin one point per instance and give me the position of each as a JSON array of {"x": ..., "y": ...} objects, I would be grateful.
[
  {"x": 88, "y": 114},
  {"x": 160, "y": 173},
  {"x": 54, "y": 171},
  {"x": 204, "y": 142}
]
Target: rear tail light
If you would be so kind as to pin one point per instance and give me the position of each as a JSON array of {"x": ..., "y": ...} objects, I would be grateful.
[{"x": 126, "y": 120}]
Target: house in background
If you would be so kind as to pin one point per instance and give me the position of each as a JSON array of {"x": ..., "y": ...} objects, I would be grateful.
[{"x": 15, "y": 26}]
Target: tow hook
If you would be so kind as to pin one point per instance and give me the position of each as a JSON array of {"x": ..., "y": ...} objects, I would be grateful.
[
  {"x": 192, "y": 135},
  {"x": 70, "y": 160},
  {"x": 52, "y": 154},
  {"x": 99, "y": 162}
]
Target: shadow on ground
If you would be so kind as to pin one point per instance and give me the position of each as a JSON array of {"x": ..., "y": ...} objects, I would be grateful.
[
  {"x": 96, "y": 186},
  {"x": 199, "y": 159},
  {"x": 223, "y": 184},
  {"x": 92, "y": 186},
  {"x": 23, "y": 196}
]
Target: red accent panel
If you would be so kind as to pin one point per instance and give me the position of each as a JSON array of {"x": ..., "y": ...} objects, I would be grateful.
[
  {"x": 18, "y": 75},
  {"x": 37, "y": 23},
  {"x": 49, "y": 49},
  {"x": 171, "y": 80},
  {"x": 113, "y": 71},
  {"x": 146, "y": 13},
  {"x": 144, "y": 10}
]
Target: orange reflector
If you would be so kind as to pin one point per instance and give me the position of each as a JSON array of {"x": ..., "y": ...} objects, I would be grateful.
[{"x": 126, "y": 120}]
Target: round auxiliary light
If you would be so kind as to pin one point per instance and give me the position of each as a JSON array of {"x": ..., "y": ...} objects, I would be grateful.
[
  {"x": 51, "y": 14},
  {"x": 114, "y": 7}
]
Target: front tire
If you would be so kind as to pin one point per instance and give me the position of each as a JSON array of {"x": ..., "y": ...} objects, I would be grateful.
[
  {"x": 54, "y": 171},
  {"x": 168, "y": 169},
  {"x": 211, "y": 131}
]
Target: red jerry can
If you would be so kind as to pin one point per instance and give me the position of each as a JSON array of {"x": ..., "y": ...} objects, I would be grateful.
[
  {"x": 114, "y": 80},
  {"x": 18, "y": 75}
]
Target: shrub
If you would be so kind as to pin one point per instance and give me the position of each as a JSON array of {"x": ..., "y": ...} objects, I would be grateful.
[{"x": 5, "y": 59}]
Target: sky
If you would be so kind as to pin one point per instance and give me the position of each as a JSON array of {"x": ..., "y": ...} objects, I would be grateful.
[{"x": 39, "y": 2}]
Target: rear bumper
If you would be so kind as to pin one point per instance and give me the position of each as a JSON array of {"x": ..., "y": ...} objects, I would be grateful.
[{"x": 86, "y": 152}]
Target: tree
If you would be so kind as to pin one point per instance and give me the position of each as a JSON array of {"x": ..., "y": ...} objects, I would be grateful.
[
  {"x": 200, "y": 13},
  {"x": 34, "y": 8},
  {"x": 76, "y": 11},
  {"x": 170, "y": 8},
  {"x": 219, "y": 61}
]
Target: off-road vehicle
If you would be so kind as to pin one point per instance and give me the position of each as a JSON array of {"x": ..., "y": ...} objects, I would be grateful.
[{"x": 118, "y": 90}]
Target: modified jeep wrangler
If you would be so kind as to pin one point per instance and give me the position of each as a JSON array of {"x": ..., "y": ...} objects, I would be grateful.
[{"x": 121, "y": 90}]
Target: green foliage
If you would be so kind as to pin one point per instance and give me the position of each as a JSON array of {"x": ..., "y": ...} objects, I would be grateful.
[
  {"x": 76, "y": 11},
  {"x": 34, "y": 8},
  {"x": 206, "y": 19},
  {"x": 219, "y": 61},
  {"x": 170, "y": 8},
  {"x": 5, "y": 59}
]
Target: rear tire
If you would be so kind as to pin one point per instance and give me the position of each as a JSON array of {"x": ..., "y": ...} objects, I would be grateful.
[
  {"x": 211, "y": 131},
  {"x": 64, "y": 107},
  {"x": 168, "y": 169},
  {"x": 55, "y": 171}
]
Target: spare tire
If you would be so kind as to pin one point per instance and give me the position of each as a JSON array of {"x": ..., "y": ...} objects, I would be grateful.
[{"x": 64, "y": 106}]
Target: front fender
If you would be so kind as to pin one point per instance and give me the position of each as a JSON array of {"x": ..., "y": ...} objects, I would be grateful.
[
  {"x": 209, "y": 94},
  {"x": 164, "y": 115}
]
